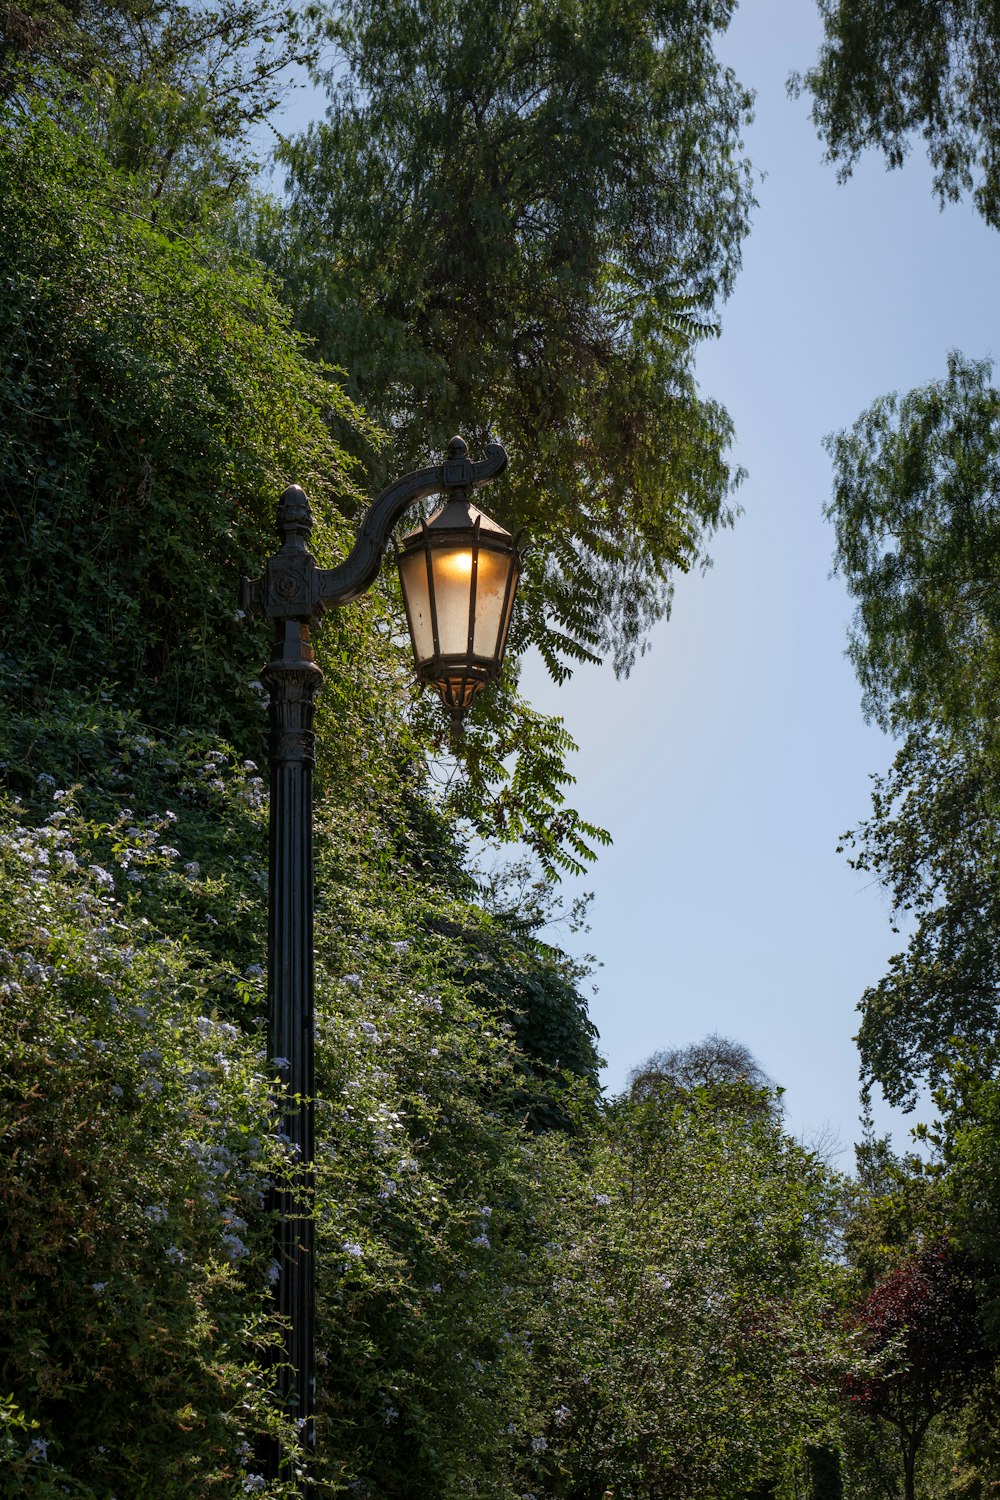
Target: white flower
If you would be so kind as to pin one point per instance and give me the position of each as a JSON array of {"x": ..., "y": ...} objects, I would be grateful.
[
  {"x": 156, "y": 1213},
  {"x": 538, "y": 1445},
  {"x": 253, "y": 1484},
  {"x": 352, "y": 1249},
  {"x": 103, "y": 877},
  {"x": 98, "y": 1286},
  {"x": 234, "y": 1246},
  {"x": 273, "y": 1272},
  {"x": 175, "y": 1256},
  {"x": 388, "y": 1189},
  {"x": 603, "y": 1200},
  {"x": 38, "y": 1447},
  {"x": 192, "y": 870},
  {"x": 481, "y": 1242},
  {"x": 401, "y": 947},
  {"x": 561, "y": 1414}
]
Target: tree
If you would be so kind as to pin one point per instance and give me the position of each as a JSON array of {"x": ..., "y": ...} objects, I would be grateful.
[
  {"x": 933, "y": 841},
  {"x": 891, "y": 68},
  {"x": 713, "y": 1065},
  {"x": 918, "y": 544},
  {"x": 519, "y": 219},
  {"x": 172, "y": 92},
  {"x": 691, "y": 1334},
  {"x": 920, "y": 1326},
  {"x": 915, "y": 507}
]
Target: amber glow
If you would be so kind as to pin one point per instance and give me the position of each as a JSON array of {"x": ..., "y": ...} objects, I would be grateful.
[{"x": 457, "y": 565}]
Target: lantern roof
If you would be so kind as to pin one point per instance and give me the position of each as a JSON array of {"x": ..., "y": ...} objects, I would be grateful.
[{"x": 459, "y": 514}]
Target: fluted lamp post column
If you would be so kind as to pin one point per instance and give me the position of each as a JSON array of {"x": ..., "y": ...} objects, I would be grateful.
[{"x": 458, "y": 572}]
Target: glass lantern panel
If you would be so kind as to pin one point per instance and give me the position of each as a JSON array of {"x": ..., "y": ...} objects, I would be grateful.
[
  {"x": 514, "y": 564},
  {"x": 491, "y": 587},
  {"x": 452, "y": 585},
  {"x": 413, "y": 573}
]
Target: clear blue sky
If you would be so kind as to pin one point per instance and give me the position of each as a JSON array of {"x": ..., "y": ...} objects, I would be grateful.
[{"x": 729, "y": 763}]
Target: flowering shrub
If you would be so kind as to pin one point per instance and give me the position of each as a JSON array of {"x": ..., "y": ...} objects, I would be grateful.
[{"x": 135, "y": 1140}]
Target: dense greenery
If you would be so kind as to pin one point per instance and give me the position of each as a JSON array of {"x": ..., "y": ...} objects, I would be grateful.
[
  {"x": 525, "y": 1289},
  {"x": 519, "y": 219}
]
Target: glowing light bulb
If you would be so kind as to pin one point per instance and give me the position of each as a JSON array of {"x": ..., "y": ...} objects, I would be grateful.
[{"x": 457, "y": 564}]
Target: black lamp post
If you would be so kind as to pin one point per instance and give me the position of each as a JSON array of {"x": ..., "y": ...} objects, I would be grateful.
[{"x": 458, "y": 573}]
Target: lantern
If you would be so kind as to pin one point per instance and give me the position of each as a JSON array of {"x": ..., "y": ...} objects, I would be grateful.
[{"x": 459, "y": 573}]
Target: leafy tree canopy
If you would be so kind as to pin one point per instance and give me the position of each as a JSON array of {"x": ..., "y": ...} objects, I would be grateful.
[
  {"x": 890, "y": 69},
  {"x": 915, "y": 506},
  {"x": 518, "y": 220},
  {"x": 918, "y": 543},
  {"x": 932, "y": 841},
  {"x": 170, "y": 90},
  {"x": 714, "y": 1065}
]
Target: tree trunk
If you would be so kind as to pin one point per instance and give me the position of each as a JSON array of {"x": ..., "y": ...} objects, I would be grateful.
[{"x": 911, "y": 1444}]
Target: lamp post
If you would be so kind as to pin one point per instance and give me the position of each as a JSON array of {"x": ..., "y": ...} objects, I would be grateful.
[{"x": 458, "y": 573}]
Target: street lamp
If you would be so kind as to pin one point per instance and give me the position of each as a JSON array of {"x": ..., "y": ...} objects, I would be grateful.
[{"x": 458, "y": 573}]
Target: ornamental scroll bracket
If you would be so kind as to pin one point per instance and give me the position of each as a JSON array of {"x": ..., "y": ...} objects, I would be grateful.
[{"x": 296, "y": 588}]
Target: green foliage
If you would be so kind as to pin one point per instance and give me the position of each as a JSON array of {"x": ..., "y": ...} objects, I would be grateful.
[
  {"x": 693, "y": 1326},
  {"x": 889, "y": 69},
  {"x": 135, "y": 1141},
  {"x": 918, "y": 545},
  {"x": 154, "y": 403},
  {"x": 519, "y": 220},
  {"x": 825, "y": 1482},
  {"x": 521, "y": 1291},
  {"x": 917, "y": 542},
  {"x": 932, "y": 842},
  {"x": 170, "y": 91}
]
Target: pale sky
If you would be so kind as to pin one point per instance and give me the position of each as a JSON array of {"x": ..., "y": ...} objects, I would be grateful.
[{"x": 729, "y": 763}]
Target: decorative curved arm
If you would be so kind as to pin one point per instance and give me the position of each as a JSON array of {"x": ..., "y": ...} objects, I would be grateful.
[
  {"x": 358, "y": 572},
  {"x": 294, "y": 588}
]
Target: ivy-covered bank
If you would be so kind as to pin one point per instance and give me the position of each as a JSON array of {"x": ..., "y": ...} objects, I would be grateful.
[{"x": 524, "y": 1289}]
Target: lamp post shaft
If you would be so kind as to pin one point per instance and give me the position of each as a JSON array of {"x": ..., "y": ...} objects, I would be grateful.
[
  {"x": 292, "y": 679},
  {"x": 293, "y": 593}
]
